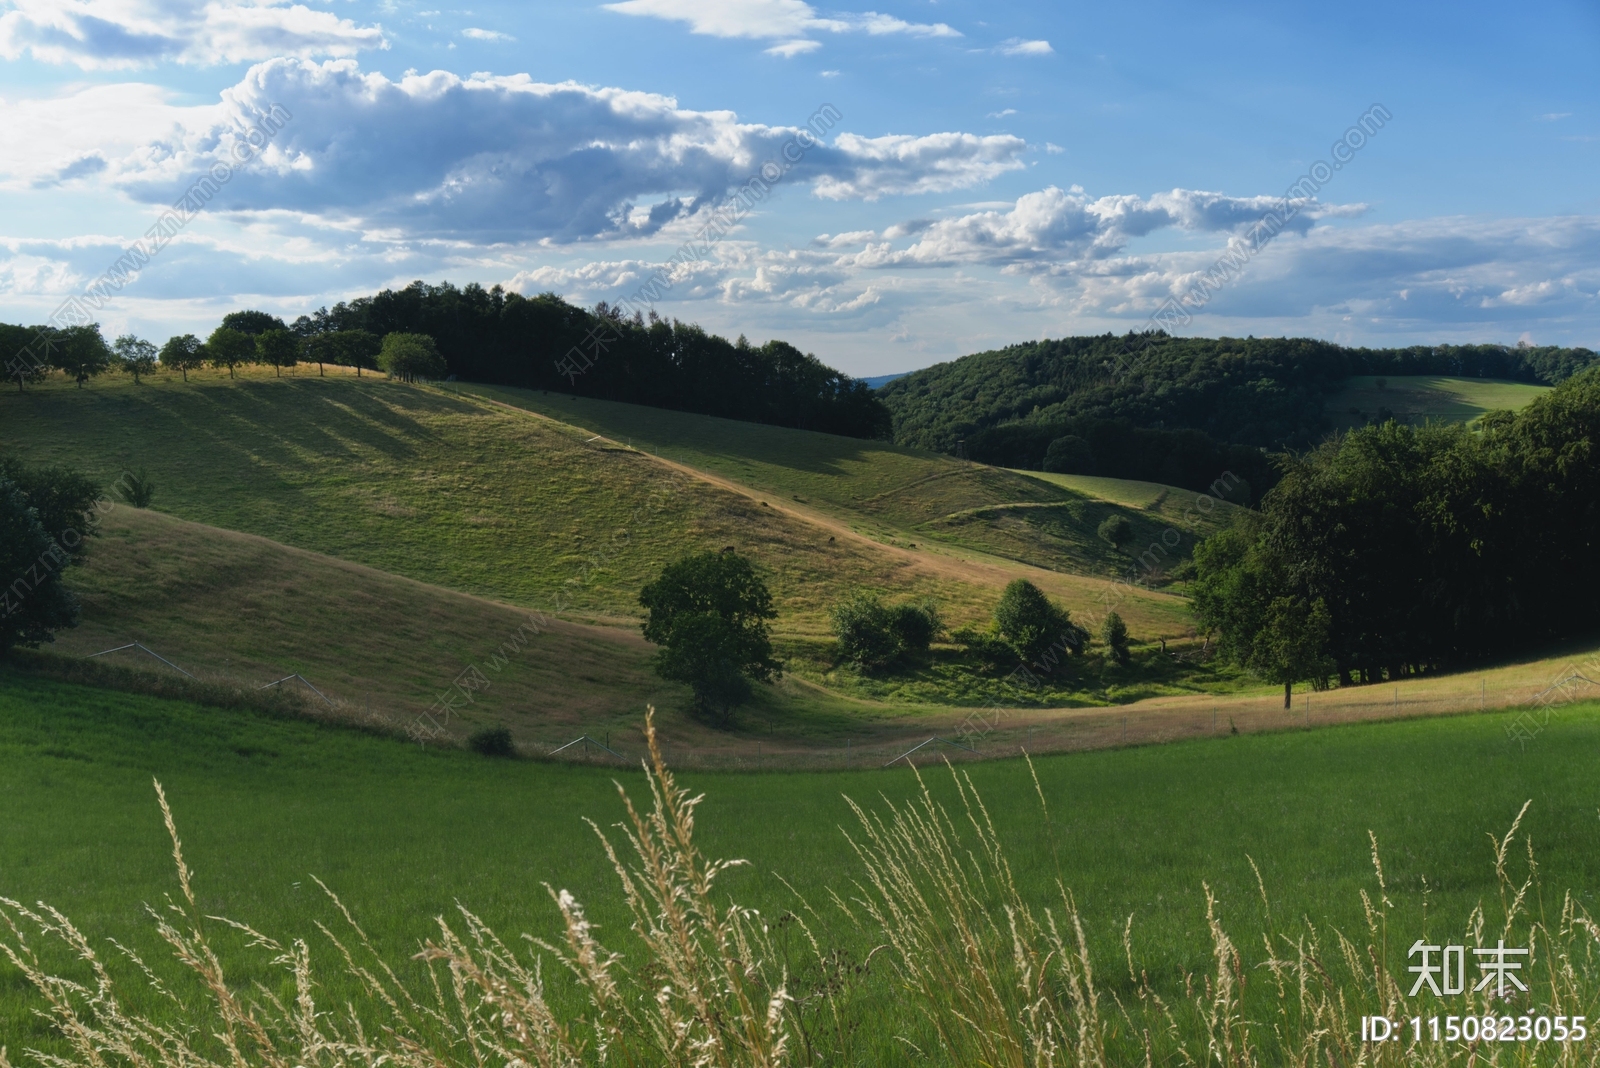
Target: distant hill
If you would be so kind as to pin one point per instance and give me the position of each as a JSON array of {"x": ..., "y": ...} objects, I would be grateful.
[
  {"x": 879, "y": 381},
  {"x": 1260, "y": 393}
]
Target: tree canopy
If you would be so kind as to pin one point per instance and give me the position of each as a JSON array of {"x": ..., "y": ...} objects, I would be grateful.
[
  {"x": 1252, "y": 392},
  {"x": 410, "y": 357},
  {"x": 542, "y": 342},
  {"x": 46, "y": 514},
  {"x": 1425, "y": 547},
  {"x": 708, "y": 612}
]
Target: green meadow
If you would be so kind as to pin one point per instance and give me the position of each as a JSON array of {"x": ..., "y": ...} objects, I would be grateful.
[
  {"x": 404, "y": 834},
  {"x": 1421, "y": 398}
]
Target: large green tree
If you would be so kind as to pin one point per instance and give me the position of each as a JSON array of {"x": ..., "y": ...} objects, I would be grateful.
[
  {"x": 183, "y": 353},
  {"x": 22, "y": 354},
  {"x": 136, "y": 355},
  {"x": 227, "y": 347},
  {"x": 409, "y": 357},
  {"x": 277, "y": 348},
  {"x": 46, "y": 515},
  {"x": 708, "y": 613},
  {"x": 251, "y": 323},
  {"x": 81, "y": 352}
]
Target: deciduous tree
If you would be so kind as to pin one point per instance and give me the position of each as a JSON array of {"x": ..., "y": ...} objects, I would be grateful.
[{"x": 136, "y": 355}]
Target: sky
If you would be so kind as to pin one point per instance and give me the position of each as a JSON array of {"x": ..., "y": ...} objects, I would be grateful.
[{"x": 982, "y": 173}]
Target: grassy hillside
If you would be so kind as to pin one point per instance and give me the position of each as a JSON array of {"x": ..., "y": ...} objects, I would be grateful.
[
  {"x": 459, "y": 492},
  {"x": 897, "y": 494},
  {"x": 1420, "y": 398},
  {"x": 402, "y": 834}
]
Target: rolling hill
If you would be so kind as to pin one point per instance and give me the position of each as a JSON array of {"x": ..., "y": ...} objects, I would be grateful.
[{"x": 1421, "y": 398}]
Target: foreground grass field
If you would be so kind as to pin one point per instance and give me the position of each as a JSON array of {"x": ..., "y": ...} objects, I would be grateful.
[{"x": 402, "y": 834}]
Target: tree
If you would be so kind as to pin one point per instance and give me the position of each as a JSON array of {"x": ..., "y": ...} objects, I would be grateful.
[
  {"x": 229, "y": 348},
  {"x": 1116, "y": 530},
  {"x": 409, "y": 357},
  {"x": 278, "y": 348},
  {"x": 1292, "y": 645},
  {"x": 22, "y": 353},
  {"x": 360, "y": 349},
  {"x": 183, "y": 353},
  {"x": 708, "y": 612},
  {"x": 81, "y": 352},
  {"x": 914, "y": 624},
  {"x": 1114, "y": 633},
  {"x": 252, "y": 323},
  {"x": 1033, "y": 625},
  {"x": 137, "y": 356},
  {"x": 46, "y": 516},
  {"x": 33, "y": 602}
]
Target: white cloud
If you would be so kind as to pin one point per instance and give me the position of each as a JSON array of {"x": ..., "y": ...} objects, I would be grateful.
[
  {"x": 1016, "y": 46},
  {"x": 125, "y": 34},
  {"x": 1001, "y": 114},
  {"x": 482, "y": 160},
  {"x": 486, "y": 35},
  {"x": 1043, "y": 231},
  {"x": 787, "y": 21}
]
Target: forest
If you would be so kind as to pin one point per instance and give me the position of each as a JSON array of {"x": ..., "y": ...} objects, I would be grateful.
[
  {"x": 1395, "y": 550},
  {"x": 1261, "y": 393},
  {"x": 542, "y": 342}
]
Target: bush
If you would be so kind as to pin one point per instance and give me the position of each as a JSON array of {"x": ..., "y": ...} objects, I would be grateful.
[
  {"x": 990, "y": 651},
  {"x": 874, "y": 636},
  {"x": 1033, "y": 625},
  {"x": 915, "y": 626},
  {"x": 863, "y": 627},
  {"x": 136, "y": 488},
  {"x": 492, "y": 742},
  {"x": 1116, "y": 531}
]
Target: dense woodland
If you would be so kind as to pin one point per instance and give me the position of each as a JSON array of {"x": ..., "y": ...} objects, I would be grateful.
[
  {"x": 542, "y": 342},
  {"x": 1261, "y": 393},
  {"x": 1395, "y": 550}
]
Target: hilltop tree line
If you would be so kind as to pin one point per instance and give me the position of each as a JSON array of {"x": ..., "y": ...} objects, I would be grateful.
[
  {"x": 1260, "y": 393},
  {"x": 542, "y": 342},
  {"x": 493, "y": 336},
  {"x": 1398, "y": 550},
  {"x": 246, "y": 337}
]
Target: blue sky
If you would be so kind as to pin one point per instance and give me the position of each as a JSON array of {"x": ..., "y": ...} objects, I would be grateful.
[{"x": 1000, "y": 171}]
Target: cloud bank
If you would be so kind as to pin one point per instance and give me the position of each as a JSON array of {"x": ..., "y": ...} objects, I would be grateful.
[{"x": 127, "y": 34}]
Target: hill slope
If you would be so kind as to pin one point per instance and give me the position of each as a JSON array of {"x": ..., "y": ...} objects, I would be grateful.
[
  {"x": 1421, "y": 398},
  {"x": 456, "y": 491}
]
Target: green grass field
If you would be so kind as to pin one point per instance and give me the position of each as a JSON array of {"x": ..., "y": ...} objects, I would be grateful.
[
  {"x": 898, "y": 494},
  {"x": 403, "y": 833},
  {"x": 1420, "y": 398}
]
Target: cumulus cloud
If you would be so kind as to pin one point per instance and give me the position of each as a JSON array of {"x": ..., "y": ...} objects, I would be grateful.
[
  {"x": 1053, "y": 228},
  {"x": 484, "y": 159},
  {"x": 125, "y": 34},
  {"x": 790, "y": 22},
  {"x": 486, "y": 35}
]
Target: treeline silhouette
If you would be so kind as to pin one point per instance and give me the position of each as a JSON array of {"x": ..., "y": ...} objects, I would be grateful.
[
  {"x": 1257, "y": 392},
  {"x": 542, "y": 342}
]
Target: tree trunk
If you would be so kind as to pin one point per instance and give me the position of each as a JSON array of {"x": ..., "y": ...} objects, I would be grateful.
[{"x": 1288, "y": 688}]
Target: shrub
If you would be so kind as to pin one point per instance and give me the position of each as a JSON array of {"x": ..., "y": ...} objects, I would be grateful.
[
  {"x": 874, "y": 635},
  {"x": 864, "y": 629},
  {"x": 990, "y": 651},
  {"x": 1116, "y": 531},
  {"x": 915, "y": 625},
  {"x": 492, "y": 742},
  {"x": 136, "y": 488}
]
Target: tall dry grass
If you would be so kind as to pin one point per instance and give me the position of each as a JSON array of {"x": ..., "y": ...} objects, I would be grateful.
[{"x": 966, "y": 971}]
